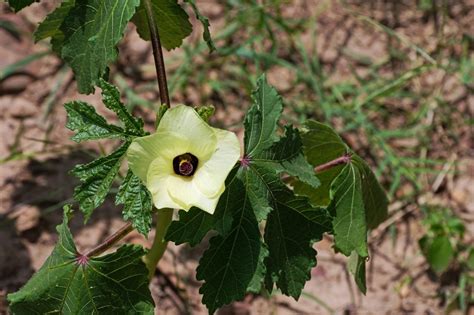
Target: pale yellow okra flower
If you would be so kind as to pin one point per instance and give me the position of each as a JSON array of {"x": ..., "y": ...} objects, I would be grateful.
[{"x": 185, "y": 163}]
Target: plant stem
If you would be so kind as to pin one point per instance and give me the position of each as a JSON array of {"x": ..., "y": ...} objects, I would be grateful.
[
  {"x": 346, "y": 158},
  {"x": 163, "y": 220},
  {"x": 110, "y": 241},
  {"x": 157, "y": 54}
]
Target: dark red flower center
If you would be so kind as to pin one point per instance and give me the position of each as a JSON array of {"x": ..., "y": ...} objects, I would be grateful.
[{"x": 185, "y": 164}]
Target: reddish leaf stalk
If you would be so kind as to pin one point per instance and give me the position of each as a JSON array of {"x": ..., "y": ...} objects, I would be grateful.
[
  {"x": 346, "y": 158},
  {"x": 109, "y": 242},
  {"x": 157, "y": 54}
]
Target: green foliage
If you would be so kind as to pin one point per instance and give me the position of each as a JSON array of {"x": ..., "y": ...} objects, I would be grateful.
[
  {"x": 237, "y": 260},
  {"x": 114, "y": 283},
  {"x": 266, "y": 156},
  {"x": 358, "y": 204},
  {"x": 446, "y": 250},
  {"x": 98, "y": 176},
  {"x": 172, "y": 21},
  {"x": 137, "y": 203},
  {"x": 356, "y": 266},
  {"x": 111, "y": 98},
  {"x": 88, "y": 36},
  {"x": 88, "y": 125},
  {"x": 285, "y": 156},
  {"x": 439, "y": 253},
  {"x": 50, "y": 27},
  {"x": 233, "y": 263},
  {"x": 205, "y": 25},
  {"x": 321, "y": 145},
  {"x": 232, "y": 260},
  {"x": 443, "y": 240},
  {"x": 17, "y": 5},
  {"x": 191, "y": 227},
  {"x": 292, "y": 228},
  {"x": 350, "y": 191},
  {"x": 85, "y": 33},
  {"x": 261, "y": 119},
  {"x": 345, "y": 200},
  {"x": 373, "y": 195},
  {"x": 347, "y": 207}
]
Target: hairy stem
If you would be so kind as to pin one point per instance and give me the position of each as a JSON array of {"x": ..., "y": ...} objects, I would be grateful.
[
  {"x": 346, "y": 158},
  {"x": 157, "y": 54},
  {"x": 110, "y": 241},
  {"x": 163, "y": 220}
]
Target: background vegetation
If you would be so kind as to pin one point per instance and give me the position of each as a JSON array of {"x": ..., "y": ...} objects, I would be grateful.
[{"x": 395, "y": 78}]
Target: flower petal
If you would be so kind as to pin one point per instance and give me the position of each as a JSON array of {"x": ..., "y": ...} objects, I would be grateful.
[
  {"x": 184, "y": 192},
  {"x": 210, "y": 177},
  {"x": 160, "y": 195},
  {"x": 157, "y": 182},
  {"x": 186, "y": 122},
  {"x": 144, "y": 150}
]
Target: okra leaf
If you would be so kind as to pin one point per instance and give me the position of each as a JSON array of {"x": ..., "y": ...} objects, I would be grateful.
[
  {"x": 137, "y": 203},
  {"x": 97, "y": 177},
  {"x": 173, "y": 22},
  {"x": 70, "y": 284}
]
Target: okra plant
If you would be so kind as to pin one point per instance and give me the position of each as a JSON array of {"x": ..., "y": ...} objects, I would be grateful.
[{"x": 264, "y": 204}]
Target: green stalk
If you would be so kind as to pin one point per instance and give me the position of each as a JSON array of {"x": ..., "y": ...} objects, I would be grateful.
[{"x": 151, "y": 259}]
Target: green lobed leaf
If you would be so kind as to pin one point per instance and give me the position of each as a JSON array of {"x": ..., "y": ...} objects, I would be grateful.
[
  {"x": 286, "y": 156},
  {"x": 91, "y": 31},
  {"x": 292, "y": 228},
  {"x": 88, "y": 125},
  {"x": 115, "y": 283},
  {"x": 173, "y": 22},
  {"x": 97, "y": 177},
  {"x": 111, "y": 99},
  {"x": 17, "y": 5},
  {"x": 321, "y": 144},
  {"x": 347, "y": 207},
  {"x": 205, "y": 25},
  {"x": 262, "y": 118},
  {"x": 351, "y": 192},
  {"x": 267, "y": 155},
  {"x": 233, "y": 263},
  {"x": 137, "y": 203},
  {"x": 50, "y": 27}
]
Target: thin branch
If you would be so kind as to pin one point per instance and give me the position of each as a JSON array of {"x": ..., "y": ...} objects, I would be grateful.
[
  {"x": 110, "y": 241},
  {"x": 346, "y": 158},
  {"x": 157, "y": 54}
]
